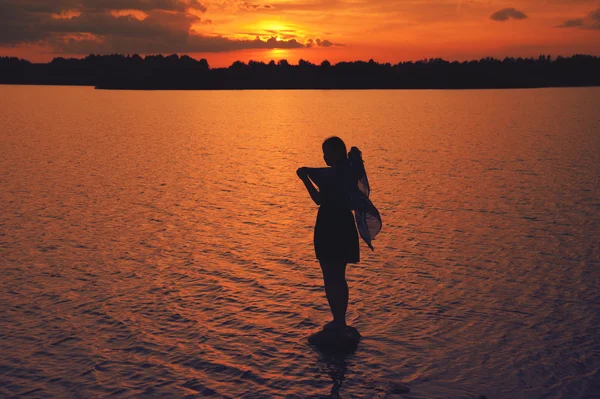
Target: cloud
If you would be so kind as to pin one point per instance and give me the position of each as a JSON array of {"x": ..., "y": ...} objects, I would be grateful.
[
  {"x": 103, "y": 23},
  {"x": 508, "y": 13},
  {"x": 31, "y": 21},
  {"x": 91, "y": 26},
  {"x": 192, "y": 43},
  {"x": 159, "y": 33},
  {"x": 324, "y": 43},
  {"x": 591, "y": 21},
  {"x": 572, "y": 23},
  {"x": 18, "y": 25},
  {"x": 320, "y": 43},
  {"x": 142, "y": 5},
  {"x": 55, "y": 6},
  {"x": 246, "y": 6}
]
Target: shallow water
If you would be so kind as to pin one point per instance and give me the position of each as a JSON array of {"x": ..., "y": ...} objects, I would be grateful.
[{"x": 159, "y": 244}]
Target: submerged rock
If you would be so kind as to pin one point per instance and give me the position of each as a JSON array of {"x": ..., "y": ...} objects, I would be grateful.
[{"x": 336, "y": 340}]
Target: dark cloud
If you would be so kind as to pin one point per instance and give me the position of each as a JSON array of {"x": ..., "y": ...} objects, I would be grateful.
[
  {"x": 101, "y": 24},
  {"x": 320, "y": 43},
  {"x": 508, "y": 13},
  {"x": 40, "y": 6},
  {"x": 160, "y": 32},
  {"x": 324, "y": 43},
  {"x": 56, "y": 6},
  {"x": 192, "y": 43},
  {"x": 31, "y": 21},
  {"x": 142, "y": 5},
  {"x": 18, "y": 25},
  {"x": 592, "y": 21},
  {"x": 94, "y": 29},
  {"x": 244, "y": 5},
  {"x": 572, "y": 23}
]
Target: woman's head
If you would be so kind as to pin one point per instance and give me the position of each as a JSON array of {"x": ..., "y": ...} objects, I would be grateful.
[{"x": 334, "y": 150}]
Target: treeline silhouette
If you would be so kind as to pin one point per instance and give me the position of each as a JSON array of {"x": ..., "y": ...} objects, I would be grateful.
[{"x": 158, "y": 72}]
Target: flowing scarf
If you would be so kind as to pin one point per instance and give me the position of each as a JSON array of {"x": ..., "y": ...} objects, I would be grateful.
[{"x": 368, "y": 220}]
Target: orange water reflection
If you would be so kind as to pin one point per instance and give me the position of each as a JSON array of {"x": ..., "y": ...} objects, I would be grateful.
[{"x": 160, "y": 243}]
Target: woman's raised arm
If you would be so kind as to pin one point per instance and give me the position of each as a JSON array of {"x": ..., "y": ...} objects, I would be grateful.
[{"x": 308, "y": 175}]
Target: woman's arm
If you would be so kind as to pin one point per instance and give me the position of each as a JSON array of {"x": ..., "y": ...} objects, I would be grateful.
[
  {"x": 317, "y": 174},
  {"x": 303, "y": 174}
]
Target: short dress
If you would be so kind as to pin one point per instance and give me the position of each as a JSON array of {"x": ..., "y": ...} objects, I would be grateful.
[{"x": 335, "y": 236}]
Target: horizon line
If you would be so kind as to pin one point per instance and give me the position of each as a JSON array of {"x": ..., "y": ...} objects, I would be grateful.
[{"x": 549, "y": 57}]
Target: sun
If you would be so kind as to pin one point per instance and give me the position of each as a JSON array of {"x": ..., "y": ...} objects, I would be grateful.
[
  {"x": 278, "y": 53},
  {"x": 272, "y": 25},
  {"x": 273, "y": 28}
]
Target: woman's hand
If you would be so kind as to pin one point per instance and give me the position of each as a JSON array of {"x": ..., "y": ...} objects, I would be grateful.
[
  {"x": 302, "y": 173},
  {"x": 314, "y": 193}
]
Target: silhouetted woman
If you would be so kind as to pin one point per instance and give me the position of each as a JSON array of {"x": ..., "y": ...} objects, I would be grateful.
[{"x": 335, "y": 235}]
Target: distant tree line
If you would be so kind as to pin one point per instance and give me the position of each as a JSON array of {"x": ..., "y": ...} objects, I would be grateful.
[{"x": 158, "y": 72}]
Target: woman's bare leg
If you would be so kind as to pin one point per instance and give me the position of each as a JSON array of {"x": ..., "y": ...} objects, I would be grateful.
[{"x": 336, "y": 290}]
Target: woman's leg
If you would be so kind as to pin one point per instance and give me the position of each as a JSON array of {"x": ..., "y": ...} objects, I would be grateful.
[{"x": 336, "y": 290}]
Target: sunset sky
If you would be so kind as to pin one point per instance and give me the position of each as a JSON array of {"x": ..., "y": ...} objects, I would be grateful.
[{"x": 223, "y": 31}]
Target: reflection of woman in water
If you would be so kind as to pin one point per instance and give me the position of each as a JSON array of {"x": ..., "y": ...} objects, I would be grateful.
[{"x": 335, "y": 235}]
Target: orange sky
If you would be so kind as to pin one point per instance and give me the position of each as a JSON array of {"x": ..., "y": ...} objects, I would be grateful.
[{"x": 223, "y": 31}]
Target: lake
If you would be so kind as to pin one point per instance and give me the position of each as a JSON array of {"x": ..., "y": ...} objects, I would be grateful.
[{"x": 159, "y": 244}]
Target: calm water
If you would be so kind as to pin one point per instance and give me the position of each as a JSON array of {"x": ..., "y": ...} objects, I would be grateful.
[{"x": 159, "y": 244}]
